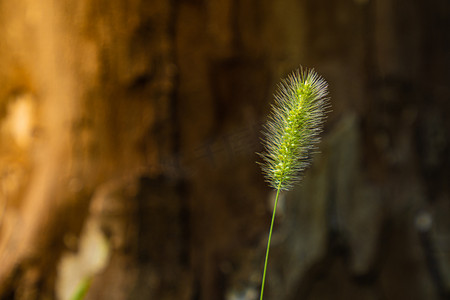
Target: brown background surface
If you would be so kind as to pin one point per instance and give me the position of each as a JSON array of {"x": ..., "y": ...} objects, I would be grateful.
[{"x": 143, "y": 118}]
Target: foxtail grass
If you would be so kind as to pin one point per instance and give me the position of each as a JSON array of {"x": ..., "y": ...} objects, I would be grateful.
[{"x": 291, "y": 135}]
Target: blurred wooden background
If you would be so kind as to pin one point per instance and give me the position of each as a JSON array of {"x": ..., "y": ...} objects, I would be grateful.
[{"x": 128, "y": 132}]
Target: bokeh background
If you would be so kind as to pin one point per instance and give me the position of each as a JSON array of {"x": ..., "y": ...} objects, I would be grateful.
[{"x": 128, "y": 133}]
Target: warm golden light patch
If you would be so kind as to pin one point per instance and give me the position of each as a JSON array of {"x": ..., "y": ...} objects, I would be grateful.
[{"x": 20, "y": 120}]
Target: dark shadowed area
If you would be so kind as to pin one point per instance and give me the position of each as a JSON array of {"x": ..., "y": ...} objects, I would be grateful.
[{"x": 128, "y": 139}]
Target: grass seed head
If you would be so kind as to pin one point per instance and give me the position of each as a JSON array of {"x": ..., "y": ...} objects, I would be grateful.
[{"x": 294, "y": 126}]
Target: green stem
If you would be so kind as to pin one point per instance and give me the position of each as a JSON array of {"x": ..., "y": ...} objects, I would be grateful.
[
  {"x": 82, "y": 289},
  {"x": 268, "y": 242}
]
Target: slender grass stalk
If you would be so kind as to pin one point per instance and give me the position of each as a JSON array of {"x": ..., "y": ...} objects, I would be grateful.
[
  {"x": 268, "y": 243},
  {"x": 291, "y": 134}
]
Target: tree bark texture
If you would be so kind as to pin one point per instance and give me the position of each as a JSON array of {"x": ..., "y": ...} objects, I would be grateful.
[{"x": 128, "y": 133}]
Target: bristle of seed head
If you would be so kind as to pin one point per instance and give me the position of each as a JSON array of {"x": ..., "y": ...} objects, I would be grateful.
[{"x": 293, "y": 130}]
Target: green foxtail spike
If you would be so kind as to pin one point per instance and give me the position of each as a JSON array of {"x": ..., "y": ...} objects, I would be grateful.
[{"x": 292, "y": 133}]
